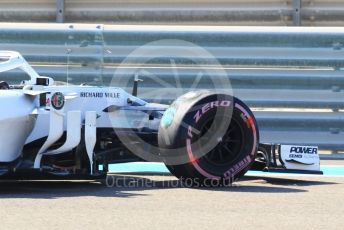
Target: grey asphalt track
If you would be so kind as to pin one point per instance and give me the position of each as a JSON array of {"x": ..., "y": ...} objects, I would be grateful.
[{"x": 161, "y": 202}]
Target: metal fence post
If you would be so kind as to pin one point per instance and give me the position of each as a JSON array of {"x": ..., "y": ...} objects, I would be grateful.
[
  {"x": 297, "y": 12},
  {"x": 60, "y": 9}
]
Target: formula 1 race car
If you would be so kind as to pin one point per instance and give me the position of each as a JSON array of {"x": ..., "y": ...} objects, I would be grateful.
[{"x": 75, "y": 132}]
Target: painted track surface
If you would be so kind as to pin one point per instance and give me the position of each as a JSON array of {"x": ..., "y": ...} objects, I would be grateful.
[
  {"x": 161, "y": 202},
  {"x": 142, "y": 167}
]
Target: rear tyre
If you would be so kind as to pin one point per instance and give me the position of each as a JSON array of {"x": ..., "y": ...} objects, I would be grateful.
[
  {"x": 222, "y": 148},
  {"x": 4, "y": 85}
]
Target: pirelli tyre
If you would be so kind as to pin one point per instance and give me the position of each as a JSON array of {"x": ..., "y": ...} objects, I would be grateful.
[
  {"x": 208, "y": 139},
  {"x": 4, "y": 85}
]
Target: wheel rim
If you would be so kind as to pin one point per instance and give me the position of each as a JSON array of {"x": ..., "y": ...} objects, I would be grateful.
[{"x": 229, "y": 146}]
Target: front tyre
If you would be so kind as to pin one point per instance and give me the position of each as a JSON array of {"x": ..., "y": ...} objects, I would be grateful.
[{"x": 215, "y": 134}]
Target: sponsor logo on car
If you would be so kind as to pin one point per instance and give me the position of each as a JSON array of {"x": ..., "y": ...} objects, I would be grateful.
[
  {"x": 100, "y": 95},
  {"x": 57, "y": 101},
  {"x": 307, "y": 150},
  {"x": 300, "y": 157}
]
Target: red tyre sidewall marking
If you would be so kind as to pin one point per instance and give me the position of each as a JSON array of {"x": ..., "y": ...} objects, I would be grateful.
[
  {"x": 243, "y": 163},
  {"x": 247, "y": 160},
  {"x": 196, "y": 165}
]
